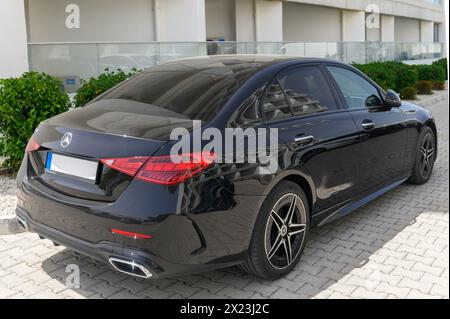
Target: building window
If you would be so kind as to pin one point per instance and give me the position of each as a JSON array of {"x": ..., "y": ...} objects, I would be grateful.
[{"x": 436, "y": 35}]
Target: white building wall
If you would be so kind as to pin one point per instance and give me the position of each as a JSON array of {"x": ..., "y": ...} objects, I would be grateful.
[
  {"x": 417, "y": 9},
  {"x": 301, "y": 23},
  {"x": 407, "y": 30},
  {"x": 426, "y": 31},
  {"x": 220, "y": 19},
  {"x": 181, "y": 20},
  {"x": 387, "y": 28},
  {"x": 374, "y": 32},
  {"x": 100, "y": 20},
  {"x": 245, "y": 20},
  {"x": 186, "y": 20},
  {"x": 13, "y": 39},
  {"x": 353, "y": 26},
  {"x": 269, "y": 20}
]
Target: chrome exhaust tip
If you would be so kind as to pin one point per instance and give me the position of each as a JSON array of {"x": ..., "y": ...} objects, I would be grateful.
[{"x": 130, "y": 267}]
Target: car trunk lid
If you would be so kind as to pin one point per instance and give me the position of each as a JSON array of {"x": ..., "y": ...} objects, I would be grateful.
[{"x": 84, "y": 136}]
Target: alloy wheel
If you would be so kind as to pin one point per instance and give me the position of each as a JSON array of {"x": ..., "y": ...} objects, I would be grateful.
[
  {"x": 426, "y": 156},
  {"x": 285, "y": 231}
]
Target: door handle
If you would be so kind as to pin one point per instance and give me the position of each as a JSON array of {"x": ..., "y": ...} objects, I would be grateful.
[
  {"x": 368, "y": 125},
  {"x": 304, "y": 139}
]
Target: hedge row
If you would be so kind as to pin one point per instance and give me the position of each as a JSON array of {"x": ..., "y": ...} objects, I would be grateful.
[
  {"x": 34, "y": 97},
  {"x": 94, "y": 87},
  {"x": 24, "y": 103},
  {"x": 408, "y": 80}
]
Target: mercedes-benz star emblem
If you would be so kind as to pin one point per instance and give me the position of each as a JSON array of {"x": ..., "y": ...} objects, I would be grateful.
[{"x": 66, "y": 140}]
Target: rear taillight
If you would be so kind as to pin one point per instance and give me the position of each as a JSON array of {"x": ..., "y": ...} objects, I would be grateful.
[
  {"x": 161, "y": 169},
  {"x": 32, "y": 145},
  {"x": 129, "y": 165}
]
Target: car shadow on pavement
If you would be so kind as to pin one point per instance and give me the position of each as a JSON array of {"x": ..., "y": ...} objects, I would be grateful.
[{"x": 365, "y": 246}]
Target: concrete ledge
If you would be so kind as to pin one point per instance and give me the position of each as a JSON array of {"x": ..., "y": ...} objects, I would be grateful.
[
  {"x": 420, "y": 61},
  {"x": 5, "y": 171},
  {"x": 427, "y": 100},
  {"x": 10, "y": 226}
]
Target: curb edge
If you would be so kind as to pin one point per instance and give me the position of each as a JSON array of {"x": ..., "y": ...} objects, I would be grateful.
[{"x": 10, "y": 226}]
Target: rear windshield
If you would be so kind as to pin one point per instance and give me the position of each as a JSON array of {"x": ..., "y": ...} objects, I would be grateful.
[{"x": 189, "y": 89}]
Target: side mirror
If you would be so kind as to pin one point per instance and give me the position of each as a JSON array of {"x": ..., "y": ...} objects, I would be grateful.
[{"x": 392, "y": 99}]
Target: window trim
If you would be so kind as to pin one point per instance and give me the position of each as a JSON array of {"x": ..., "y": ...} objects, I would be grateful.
[
  {"x": 257, "y": 95},
  {"x": 320, "y": 66},
  {"x": 381, "y": 92},
  {"x": 262, "y": 115}
]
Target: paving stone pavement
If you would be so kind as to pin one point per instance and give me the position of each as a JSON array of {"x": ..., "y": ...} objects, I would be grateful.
[{"x": 395, "y": 247}]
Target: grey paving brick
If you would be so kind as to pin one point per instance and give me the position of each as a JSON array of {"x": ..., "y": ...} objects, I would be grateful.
[
  {"x": 283, "y": 293},
  {"x": 182, "y": 289},
  {"x": 155, "y": 293},
  {"x": 265, "y": 289}
]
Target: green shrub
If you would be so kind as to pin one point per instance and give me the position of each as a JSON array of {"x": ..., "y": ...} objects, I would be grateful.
[
  {"x": 443, "y": 64},
  {"x": 379, "y": 73},
  {"x": 424, "y": 87},
  {"x": 24, "y": 103},
  {"x": 93, "y": 87},
  {"x": 390, "y": 75},
  {"x": 405, "y": 75},
  {"x": 409, "y": 93},
  {"x": 431, "y": 73},
  {"x": 438, "y": 85}
]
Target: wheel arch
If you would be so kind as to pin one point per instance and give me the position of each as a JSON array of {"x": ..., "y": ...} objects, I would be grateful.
[
  {"x": 304, "y": 181},
  {"x": 304, "y": 185},
  {"x": 431, "y": 124}
]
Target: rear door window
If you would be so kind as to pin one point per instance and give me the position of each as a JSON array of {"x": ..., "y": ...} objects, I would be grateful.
[{"x": 298, "y": 92}]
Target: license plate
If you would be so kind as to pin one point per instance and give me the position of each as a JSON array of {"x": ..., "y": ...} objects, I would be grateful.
[{"x": 72, "y": 166}]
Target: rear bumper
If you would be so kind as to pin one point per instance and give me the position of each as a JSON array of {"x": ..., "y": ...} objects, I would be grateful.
[
  {"x": 105, "y": 250},
  {"x": 194, "y": 228}
]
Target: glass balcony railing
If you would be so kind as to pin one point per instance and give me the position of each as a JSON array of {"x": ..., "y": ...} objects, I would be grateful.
[
  {"x": 75, "y": 61},
  {"x": 436, "y": 2}
]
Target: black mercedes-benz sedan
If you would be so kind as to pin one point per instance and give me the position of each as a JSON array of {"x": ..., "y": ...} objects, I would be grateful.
[{"x": 147, "y": 178}]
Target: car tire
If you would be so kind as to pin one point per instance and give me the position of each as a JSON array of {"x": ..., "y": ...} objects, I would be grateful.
[
  {"x": 425, "y": 157},
  {"x": 280, "y": 233}
]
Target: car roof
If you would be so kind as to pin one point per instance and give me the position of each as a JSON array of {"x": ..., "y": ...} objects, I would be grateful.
[{"x": 258, "y": 61}]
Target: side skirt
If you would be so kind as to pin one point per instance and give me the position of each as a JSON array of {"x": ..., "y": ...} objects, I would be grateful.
[{"x": 353, "y": 205}]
